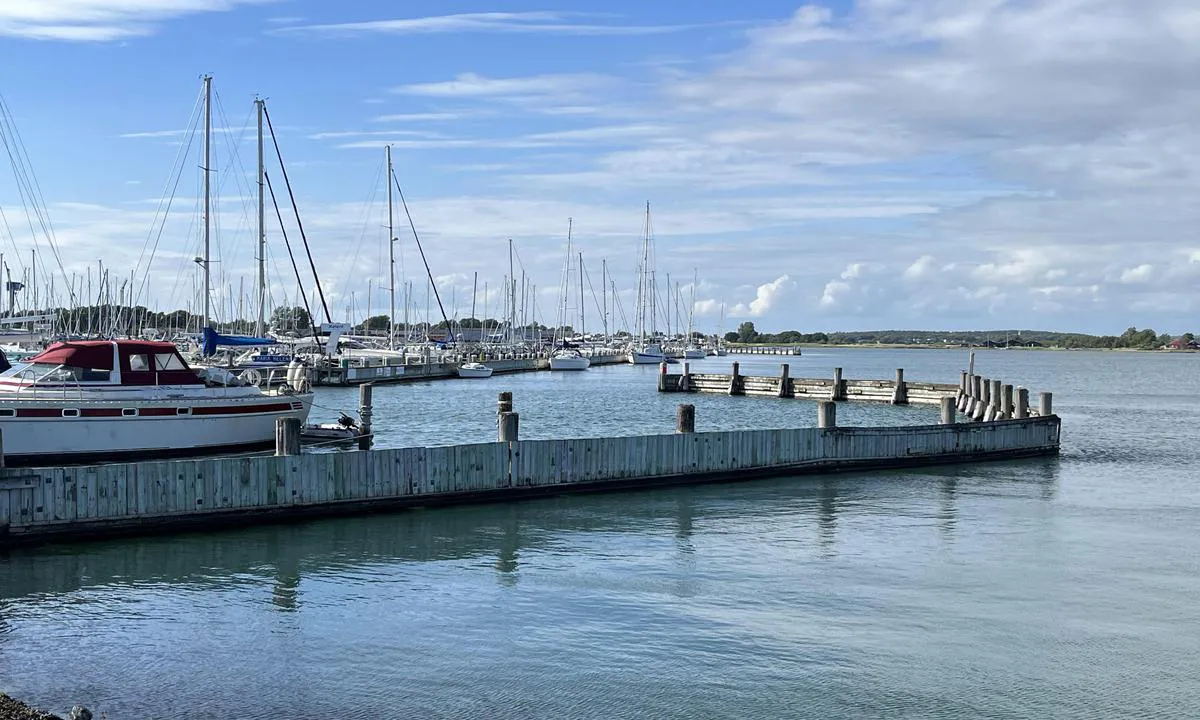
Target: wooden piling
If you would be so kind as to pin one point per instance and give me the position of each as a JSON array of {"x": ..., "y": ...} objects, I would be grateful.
[
  {"x": 736, "y": 385},
  {"x": 839, "y": 386},
  {"x": 685, "y": 418},
  {"x": 1046, "y": 404},
  {"x": 662, "y": 376},
  {"x": 827, "y": 414},
  {"x": 976, "y": 397},
  {"x": 504, "y": 403},
  {"x": 900, "y": 393},
  {"x": 964, "y": 393},
  {"x": 785, "y": 382},
  {"x": 947, "y": 411},
  {"x": 287, "y": 436},
  {"x": 996, "y": 399},
  {"x": 685, "y": 380},
  {"x": 509, "y": 427},
  {"x": 1021, "y": 411},
  {"x": 365, "y": 434},
  {"x": 1006, "y": 402}
]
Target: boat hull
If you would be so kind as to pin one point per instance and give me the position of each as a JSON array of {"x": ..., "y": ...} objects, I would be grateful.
[
  {"x": 570, "y": 363},
  {"x": 637, "y": 358},
  {"x": 41, "y": 432},
  {"x": 694, "y": 354},
  {"x": 477, "y": 373}
]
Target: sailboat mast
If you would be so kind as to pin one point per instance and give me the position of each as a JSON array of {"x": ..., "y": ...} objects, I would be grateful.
[
  {"x": 604, "y": 294},
  {"x": 512, "y": 318},
  {"x": 207, "y": 193},
  {"x": 582, "y": 307},
  {"x": 474, "y": 290},
  {"x": 261, "y": 326},
  {"x": 391, "y": 254}
]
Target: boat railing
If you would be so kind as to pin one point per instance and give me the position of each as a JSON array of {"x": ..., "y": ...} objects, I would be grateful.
[{"x": 35, "y": 385}]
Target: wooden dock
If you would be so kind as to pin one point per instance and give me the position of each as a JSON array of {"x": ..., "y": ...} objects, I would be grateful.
[
  {"x": 763, "y": 349},
  {"x": 357, "y": 371},
  {"x": 41, "y": 504}
]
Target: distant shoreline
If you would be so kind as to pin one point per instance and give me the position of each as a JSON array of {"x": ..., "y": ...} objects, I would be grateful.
[{"x": 939, "y": 346}]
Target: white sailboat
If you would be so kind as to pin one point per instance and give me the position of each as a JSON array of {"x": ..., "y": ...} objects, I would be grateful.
[
  {"x": 693, "y": 351},
  {"x": 567, "y": 357},
  {"x": 646, "y": 350}
]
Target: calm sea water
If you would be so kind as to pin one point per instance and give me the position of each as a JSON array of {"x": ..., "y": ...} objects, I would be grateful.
[{"x": 1062, "y": 588}]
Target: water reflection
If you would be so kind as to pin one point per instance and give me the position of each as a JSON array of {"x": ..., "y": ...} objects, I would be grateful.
[
  {"x": 827, "y": 493},
  {"x": 947, "y": 506},
  {"x": 510, "y": 545}
]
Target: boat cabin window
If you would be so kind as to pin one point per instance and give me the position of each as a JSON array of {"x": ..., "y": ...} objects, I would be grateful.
[
  {"x": 139, "y": 363},
  {"x": 46, "y": 372},
  {"x": 167, "y": 361}
]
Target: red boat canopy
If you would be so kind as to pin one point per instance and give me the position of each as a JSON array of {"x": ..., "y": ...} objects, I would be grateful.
[{"x": 141, "y": 362}]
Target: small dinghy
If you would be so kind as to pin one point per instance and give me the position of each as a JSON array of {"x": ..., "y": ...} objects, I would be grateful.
[
  {"x": 346, "y": 428},
  {"x": 474, "y": 370}
]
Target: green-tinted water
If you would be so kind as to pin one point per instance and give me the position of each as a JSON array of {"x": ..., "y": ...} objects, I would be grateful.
[{"x": 1060, "y": 588}]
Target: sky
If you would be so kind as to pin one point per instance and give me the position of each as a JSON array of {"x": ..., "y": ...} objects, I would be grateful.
[{"x": 932, "y": 164}]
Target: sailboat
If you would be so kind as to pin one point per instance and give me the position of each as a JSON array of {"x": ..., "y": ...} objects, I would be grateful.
[
  {"x": 646, "y": 350},
  {"x": 566, "y": 356},
  {"x": 693, "y": 351}
]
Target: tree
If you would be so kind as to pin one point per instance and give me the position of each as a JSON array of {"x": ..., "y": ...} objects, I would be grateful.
[
  {"x": 731, "y": 337},
  {"x": 290, "y": 318},
  {"x": 1164, "y": 340},
  {"x": 1188, "y": 338},
  {"x": 376, "y": 322},
  {"x": 746, "y": 332}
]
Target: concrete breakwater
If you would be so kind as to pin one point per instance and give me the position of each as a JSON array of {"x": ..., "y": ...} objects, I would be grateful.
[{"x": 38, "y": 504}]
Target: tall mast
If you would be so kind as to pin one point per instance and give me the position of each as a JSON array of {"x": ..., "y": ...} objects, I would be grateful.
[
  {"x": 474, "y": 290},
  {"x": 604, "y": 294},
  {"x": 582, "y": 309},
  {"x": 391, "y": 254},
  {"x": 207, "y": 192},
  {"x": 512, "y": 323},
  {"x": 261, "y": 326},
  {"x": 33, "y": 277}
]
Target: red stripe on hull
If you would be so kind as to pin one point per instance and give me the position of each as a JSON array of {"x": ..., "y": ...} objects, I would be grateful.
[
  {"x": 100, "y": 412},
  {"x": 40, "y": 412},
  {"x": 241, "y": 409}
]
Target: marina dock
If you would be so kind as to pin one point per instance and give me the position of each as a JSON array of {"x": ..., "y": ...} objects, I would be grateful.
[
  {"x": 359, "y": 370},
  {"x": 42, "y": 504}
]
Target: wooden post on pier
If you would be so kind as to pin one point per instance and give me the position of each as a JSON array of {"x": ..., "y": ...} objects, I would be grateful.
[
  {"x": 685, "y": 380},
  {"x": 1021, "y": 411},
  {"x": 785, "y": 382},
  {"x": 984, "y": 398},
  {"x": 365, "y": 434},
  {"x": 662, "y": 376},
  {"x": 947, "y": 410},
  {"x": 685, "y": 419},
  {"x": 964, "y": 393},
  {"x": 900, "y": 393},
  {"x": 287, "y": 436},
  {"x": 827, "y": 414},
  {"x": 839, "y": 386},
  {"x": 504, "y": 403},
  {"x": 997, "y": 399},
  {"x": 737, "y": 386},
  {"x": 508, "y": 427},
  {"x": 1006, "y": 402},
  {"x": 1046, "y": 404}
]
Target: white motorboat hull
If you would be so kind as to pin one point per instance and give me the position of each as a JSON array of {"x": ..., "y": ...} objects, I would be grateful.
[
  {"x": 53, "y": 431},
  {"x": 637, "y": 358},
  {"x": 694, "y": 354},
  {"x": 480, "y": 372},
  {"x": 570, "y": 363}
]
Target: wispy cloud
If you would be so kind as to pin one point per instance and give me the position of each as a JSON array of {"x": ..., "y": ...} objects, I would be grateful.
[
  {"x": 422, "y": 117},
  {"x": 99, "y": 20},
  {"x": 472, "y": 85},
  {"x": 546, "y": 23}
]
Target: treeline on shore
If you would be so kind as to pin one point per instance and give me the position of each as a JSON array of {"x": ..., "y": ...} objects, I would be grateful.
[{"x": 1132, "y": 338}]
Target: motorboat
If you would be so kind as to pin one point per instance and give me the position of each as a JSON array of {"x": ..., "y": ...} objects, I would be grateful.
[
  {"x": 113, "y": 399},
  {"x": 344, "y": 430},
  {"x": 694, "y": 352},
  {"x": 569, "y": 359},
  {"x": 651, "y": 354},
  {"x": 474, "y": 370}
]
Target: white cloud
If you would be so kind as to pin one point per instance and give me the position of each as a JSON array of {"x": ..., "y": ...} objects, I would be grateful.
[
  {"x": 542, "y": 23},
  {"x": 99, "y": 20},
  {"x": 766, "y": 298},
  {"x": 1140, "y": 274}
]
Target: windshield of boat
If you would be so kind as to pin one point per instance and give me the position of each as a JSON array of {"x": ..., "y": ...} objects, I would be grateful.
[{"x": 49, "y": 372}]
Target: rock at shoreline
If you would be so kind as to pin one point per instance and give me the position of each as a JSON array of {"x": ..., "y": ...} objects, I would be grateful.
[{"x": 11, "y": 709}]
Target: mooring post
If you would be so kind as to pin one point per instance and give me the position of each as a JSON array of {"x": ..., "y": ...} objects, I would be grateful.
[
  {"x": 1046, "y": 404},
  {"x": 1006, "y": 402},
  {"x": 993, "y": 408},
  {"x": 736, "y": 386},
  {"x": 900, "y": 393},
  {"x": 1021, "y": 411},
  {"x": 685, "y": 419},
  {"x": 981, "y": 403},
  {"x": 785, "y": 382},
  {"x": 685, "y": 380},
  {"x": 947, "y": 410},
  {"x": 365, "y": 412},
  {"x": 662, "y": 376},
  {"x": 287, "y": 436},
  {"x": 839, "y": 386},
  {"x": 826, "y": 414},
  {"x": 509, "y": 427},
  {"x": 964, "y": 393},
  {"x": 504, "y": 403}
]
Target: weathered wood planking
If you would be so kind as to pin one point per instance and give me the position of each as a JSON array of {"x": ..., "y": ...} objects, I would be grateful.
[
  {"x": 40, "y": 502},
  {"x": 810, "y": 388}
]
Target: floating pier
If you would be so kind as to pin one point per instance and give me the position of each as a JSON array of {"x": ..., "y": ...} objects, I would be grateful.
[
  {"x": 763, "y": 349},
  {"x": 41, "y": 504},
  {"x": 358, "y": 370}
]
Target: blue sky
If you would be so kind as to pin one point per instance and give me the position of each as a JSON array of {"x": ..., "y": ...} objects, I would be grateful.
[{"x": 925, "y": 164}]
